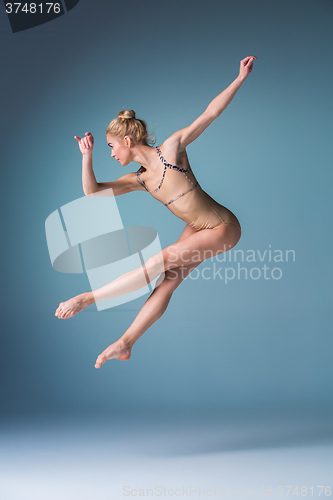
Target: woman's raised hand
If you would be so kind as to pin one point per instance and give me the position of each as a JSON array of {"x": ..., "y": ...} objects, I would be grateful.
[
  {"x": 86, "y": 144},
  {"x": 246, "y": 66}
]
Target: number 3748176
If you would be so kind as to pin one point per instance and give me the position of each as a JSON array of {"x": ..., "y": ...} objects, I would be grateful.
[{"x": 33, "y": 8}]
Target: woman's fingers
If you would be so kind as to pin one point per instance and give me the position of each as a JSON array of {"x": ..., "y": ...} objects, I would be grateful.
[
  {"x": 86, "y": 142},
  {"x": 246, "y": 59},
  {"x": 90, "y": 138},
  {"x": 80, "y": 141},
  {"x": 248, "y": 62},
  {"x": 246, "y": 66}
]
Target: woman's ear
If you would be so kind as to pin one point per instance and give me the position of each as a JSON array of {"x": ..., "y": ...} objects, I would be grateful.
[{"x": 128, "y": 141}]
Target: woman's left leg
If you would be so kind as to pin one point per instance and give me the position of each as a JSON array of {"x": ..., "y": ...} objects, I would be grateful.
[
  {"x": 151, "y": 311},
  {"x": 195, "y": 248}
]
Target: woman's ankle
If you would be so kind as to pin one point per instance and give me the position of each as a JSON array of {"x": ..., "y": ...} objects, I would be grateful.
[
  {"x": 126, "y": 341},
  {"x": 88, "y": 298}
]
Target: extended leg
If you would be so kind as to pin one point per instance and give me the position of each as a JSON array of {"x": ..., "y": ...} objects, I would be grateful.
[{"x": 193, "y": 249}]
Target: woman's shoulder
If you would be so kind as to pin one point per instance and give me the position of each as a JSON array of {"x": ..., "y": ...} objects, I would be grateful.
[
  {"x": 173, "y": 153},
  {"x": 172, "y": 142}
]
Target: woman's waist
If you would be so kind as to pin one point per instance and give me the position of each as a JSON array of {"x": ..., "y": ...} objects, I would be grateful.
[
  {"x": 213, "y": 204},
  {"x": 202, "y": 212}
]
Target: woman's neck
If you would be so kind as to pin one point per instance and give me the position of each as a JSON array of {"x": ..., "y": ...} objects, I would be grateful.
[{"x": 144, "y": 155}]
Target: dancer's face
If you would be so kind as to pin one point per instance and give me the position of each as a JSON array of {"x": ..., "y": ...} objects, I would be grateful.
[{"x": 119, "y": 149}]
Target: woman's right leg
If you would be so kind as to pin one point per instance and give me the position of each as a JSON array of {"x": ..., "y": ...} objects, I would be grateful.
[{"x": 151, "y": 311}]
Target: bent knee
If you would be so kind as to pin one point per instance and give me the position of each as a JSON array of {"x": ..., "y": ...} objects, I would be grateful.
[
  {"x": 171, "y": 279},
  {"x": 231, "y": 236},
  {"x": 237, "y": 236},
  {"x": 156, "y": 264}
]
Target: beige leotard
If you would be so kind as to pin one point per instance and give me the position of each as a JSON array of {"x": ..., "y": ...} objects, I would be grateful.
[{"x": 183, "y": 196}]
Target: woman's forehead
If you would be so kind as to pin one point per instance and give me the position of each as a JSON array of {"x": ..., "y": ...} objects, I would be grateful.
[{"x": 112, "y": 138}]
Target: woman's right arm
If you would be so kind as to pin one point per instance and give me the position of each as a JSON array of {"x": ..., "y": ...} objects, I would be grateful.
[
  {"x": 189, "y": 134},
  {"x": 124, "y": 184}
]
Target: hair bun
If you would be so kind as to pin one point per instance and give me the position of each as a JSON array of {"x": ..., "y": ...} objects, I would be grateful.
[
  {"x": 127, "y": 114},
  {"x": 127, "y": 124}
]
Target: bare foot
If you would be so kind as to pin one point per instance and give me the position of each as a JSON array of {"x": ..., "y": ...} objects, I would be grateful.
[
  {"x": 118, "y": 350},
  {"x": 73, "y": 306}
]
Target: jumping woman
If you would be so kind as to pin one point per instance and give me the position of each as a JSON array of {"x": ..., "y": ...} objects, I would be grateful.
[{"x": 166, "y": 174}]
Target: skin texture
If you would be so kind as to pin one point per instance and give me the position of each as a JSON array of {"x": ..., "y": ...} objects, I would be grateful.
[{"x": 175, "y": 261}]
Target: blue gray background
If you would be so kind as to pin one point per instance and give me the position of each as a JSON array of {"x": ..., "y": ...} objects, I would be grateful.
[{"x": 248, "y": 344}]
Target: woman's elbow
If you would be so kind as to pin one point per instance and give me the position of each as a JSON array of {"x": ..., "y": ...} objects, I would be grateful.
[{"x": 90, "y": 192}]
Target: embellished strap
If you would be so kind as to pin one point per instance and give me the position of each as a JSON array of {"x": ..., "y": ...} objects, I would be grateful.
[
  {"x": 138, "y": 175},
  {"x": 160, "y": 184},
  {"x": 182, "y": 194},
  {"x": 169, "y": 164},
  {"x": 142, "y": 182}
]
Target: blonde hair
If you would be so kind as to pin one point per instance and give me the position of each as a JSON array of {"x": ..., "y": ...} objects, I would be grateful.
[{"x": 127, "y": 124}]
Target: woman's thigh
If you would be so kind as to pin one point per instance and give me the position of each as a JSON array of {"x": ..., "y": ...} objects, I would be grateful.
[
  {"x": 187, "y": 231},
  {"x": 172, "y": 278},
  {"x": 200, "y": 245},
  {"x": 193, "y": 247}
]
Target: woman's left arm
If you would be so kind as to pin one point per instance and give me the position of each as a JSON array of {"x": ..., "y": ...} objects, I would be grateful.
[{"x": 215, "y": 108}]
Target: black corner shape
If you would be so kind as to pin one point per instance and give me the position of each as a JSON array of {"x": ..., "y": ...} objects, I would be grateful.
[
  {"x": 70, "y": 4},
  {"x": 25, "y": 15}
]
